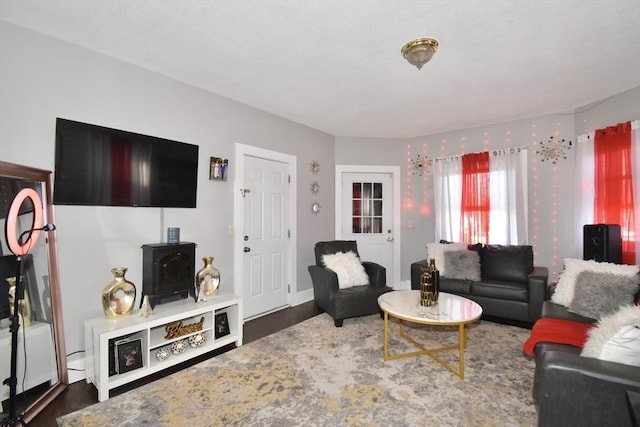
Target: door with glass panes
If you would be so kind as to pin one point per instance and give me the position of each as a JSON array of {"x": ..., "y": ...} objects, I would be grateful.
[{"x": 367, "y": 209}]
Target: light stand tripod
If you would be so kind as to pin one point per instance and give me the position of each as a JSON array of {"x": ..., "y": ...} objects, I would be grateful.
[
  {"x": 20, "y": 247},
  {"x": 14, "y": 419}
]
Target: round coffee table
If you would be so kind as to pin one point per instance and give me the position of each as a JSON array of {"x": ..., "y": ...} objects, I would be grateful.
[{"x": 450, "y": 310}]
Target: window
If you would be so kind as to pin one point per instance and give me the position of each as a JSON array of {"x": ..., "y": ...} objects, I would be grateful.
[
  {"x": 607, "y": 164},
  {"x": 366, "y": 211},
  {"x": 485, "y": 202}
]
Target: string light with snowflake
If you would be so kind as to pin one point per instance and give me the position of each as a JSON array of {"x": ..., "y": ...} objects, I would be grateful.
[
  {"x": 553, "y": 150},
  {"x": 421, "y": 165}
]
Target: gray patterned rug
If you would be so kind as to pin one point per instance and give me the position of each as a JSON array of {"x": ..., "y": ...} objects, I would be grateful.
[{"x": 314, "y": 374}]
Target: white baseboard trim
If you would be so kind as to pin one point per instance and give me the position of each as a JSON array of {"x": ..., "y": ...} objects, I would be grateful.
[
  {"x": 295, "y": 299},
  {"x": 301, "y": 297}
]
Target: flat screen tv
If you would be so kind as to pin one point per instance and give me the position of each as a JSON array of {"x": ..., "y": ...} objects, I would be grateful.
[{"x": 100, "y": 166}]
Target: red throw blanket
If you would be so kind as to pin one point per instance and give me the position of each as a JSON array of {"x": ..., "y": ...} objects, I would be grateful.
[{"x": 558, "y": 331}]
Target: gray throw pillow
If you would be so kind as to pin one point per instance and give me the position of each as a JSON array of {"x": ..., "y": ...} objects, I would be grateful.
[
  {"x": 600, "y": 294},
  {"x": 464, "y": 264}
]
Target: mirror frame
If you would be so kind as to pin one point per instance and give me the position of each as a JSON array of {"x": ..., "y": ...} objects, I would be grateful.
[{"x": 10, "y": 170}]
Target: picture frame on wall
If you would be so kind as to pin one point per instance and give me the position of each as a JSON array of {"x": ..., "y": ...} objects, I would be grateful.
[
  {"x": 128, "y": 355},
  {"x": 218, "y": 169},
  {"x": 221, "y": 325}
]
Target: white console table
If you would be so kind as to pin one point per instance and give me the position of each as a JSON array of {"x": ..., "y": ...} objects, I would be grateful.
[{"x": 152, "y": 335}]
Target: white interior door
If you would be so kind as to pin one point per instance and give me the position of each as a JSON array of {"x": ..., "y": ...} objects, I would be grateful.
[
  {"x": 368, "y": 217},
  {"x": 265, "y": 239}
]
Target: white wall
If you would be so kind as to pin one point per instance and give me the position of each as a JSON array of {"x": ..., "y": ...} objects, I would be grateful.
[
  {"x": 552, "y": 231},
  {"x": 42, "y": 78},
  {"x": 616, "y": 109}
]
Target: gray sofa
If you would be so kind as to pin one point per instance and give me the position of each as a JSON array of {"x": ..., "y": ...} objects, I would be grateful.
[
  {"x": 569, "y": 389},
  {"x": 511, "y": 287}
]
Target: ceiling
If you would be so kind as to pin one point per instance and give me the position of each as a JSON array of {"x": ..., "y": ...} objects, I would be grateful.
[{"x": 335, "y": 65}]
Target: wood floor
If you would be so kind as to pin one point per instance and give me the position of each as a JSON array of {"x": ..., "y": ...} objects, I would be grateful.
[{"x": 80, "y": 394}]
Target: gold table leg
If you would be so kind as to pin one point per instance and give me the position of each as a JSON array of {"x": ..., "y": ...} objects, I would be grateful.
[{"x": 431, "y": 352}]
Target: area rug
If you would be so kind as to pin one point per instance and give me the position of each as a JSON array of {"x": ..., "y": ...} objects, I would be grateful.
[{"x": 314, "y": 374}]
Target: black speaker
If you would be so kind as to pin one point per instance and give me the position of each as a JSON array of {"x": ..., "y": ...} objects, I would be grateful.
[{"x": 602, "y": 243}]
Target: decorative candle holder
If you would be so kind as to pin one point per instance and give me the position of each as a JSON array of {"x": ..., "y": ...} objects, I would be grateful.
[{"x": 429, "y": 285}]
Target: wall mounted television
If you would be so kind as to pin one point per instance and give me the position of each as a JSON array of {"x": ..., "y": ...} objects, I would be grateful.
[{"x": 100, "y": 166}]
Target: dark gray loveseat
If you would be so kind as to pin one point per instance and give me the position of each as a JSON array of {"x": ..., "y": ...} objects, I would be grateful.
[{"x": 511, "y": 287}]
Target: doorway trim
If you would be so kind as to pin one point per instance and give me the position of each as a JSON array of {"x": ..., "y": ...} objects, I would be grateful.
[
  {"x": 241, "y": 152},
  {"x": 394, "y": 171}
]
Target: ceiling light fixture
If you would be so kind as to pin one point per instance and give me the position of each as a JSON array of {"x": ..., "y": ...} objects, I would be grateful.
[{"x": 419, "y": 51}]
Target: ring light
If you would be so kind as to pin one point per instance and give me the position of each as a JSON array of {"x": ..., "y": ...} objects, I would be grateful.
[{"x": 15, "y": 246}]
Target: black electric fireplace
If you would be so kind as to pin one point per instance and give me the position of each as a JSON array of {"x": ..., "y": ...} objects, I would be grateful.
[{"x": 168, "y": 272}]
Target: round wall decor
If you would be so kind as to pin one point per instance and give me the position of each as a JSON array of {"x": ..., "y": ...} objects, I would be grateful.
[{"x": 315, "y": 167}]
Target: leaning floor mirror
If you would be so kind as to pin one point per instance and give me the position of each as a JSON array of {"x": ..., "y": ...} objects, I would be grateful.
[{"x": 40, "y": 363}]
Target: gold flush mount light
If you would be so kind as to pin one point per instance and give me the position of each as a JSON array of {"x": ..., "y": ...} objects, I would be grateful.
[{"x": 419, "y": 51}]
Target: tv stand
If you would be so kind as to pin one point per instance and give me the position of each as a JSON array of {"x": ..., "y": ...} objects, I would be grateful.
[{"x": 148, "y": 338}]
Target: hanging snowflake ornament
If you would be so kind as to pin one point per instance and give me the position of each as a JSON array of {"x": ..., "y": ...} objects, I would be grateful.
[
  {"x": 553, "y": 150},
  {"x": 420, "y": 165}
]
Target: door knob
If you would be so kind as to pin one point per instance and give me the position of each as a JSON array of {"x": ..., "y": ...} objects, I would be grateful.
[
  {"x": 246, "y": 249},
  {"x": 390, "y": 239}
]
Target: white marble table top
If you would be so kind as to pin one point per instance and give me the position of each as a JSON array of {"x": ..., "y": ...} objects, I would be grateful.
[{"x": 450, "y": 309}]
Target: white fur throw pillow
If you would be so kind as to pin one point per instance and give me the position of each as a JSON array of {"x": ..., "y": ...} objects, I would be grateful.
[
  {"x": 348, "y": 267},
  {"x": 437, "y": 250},
  {"x": 564, "y": 292},
  {"x": 616, "y": 338},
  {"x": 464, "y": 264}
]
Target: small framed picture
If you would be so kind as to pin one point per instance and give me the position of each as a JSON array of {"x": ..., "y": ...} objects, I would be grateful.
[
  {"x": 218, "y": 169},
  {"x": 128, "y": 355},
  {"x": 221, "y": 325}
]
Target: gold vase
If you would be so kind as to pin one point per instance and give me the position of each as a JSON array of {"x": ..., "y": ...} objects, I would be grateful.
[
  {"x": 119, "y": 296},
  {"x": 207, "y": 278},
  {"x": 24, "y": 306},
  {"x": 429, "y": 284}
]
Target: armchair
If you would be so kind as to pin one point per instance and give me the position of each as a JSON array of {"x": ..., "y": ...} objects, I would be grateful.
[{"x": 350, "y": 302}]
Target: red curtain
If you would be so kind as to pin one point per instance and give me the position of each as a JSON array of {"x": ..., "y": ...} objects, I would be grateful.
[
  {"x": 475, "y": 198},
  {"x": 614, "y": 184}
]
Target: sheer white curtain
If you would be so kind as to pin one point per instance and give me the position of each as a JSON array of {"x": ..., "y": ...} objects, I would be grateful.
[
  {"x": 585, "y": 191},
  {"x": 509, "y": 197},
  {"x": 508, "y": 221},
  {"x": 447, "y": 193}
]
